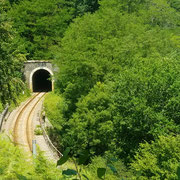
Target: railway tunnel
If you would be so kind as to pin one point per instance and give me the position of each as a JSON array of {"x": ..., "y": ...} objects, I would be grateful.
[
  {"x": 38, "y": 75},
  {"x": 41, "y": 81}
]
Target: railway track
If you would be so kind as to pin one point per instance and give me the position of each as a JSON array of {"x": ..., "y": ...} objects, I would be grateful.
[{"x": 23, "y": 128}]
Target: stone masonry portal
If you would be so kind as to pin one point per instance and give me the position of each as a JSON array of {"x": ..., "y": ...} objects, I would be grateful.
[{"x": 38, "y": 75}]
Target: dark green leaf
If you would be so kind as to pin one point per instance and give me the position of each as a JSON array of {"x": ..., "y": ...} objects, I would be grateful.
[
  {"x": 66, "y": 152},
  {"x": 83, "y": 157},
  {"x": 69, "y": 172},
  {"x": 62, "y": 160},
  {"x": 101, "y": 172}
]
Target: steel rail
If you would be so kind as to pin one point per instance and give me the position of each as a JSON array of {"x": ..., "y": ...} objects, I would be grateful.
[
  {"x": 29, "y": 124},
  {"x": 15, "y": 129}
]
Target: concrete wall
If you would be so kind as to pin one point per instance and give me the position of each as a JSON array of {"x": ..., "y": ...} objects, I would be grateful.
[{"x": 32, "y": 66}]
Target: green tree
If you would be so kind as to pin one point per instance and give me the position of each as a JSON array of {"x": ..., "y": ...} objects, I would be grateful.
[
  {"x": 175, "y": 4},
  {"x": 158, "y": 159},
  {"x": 11, "y": 61},
  {"x": 136, "y": 60},
  {"x": 83, "y": 6},
  {"x": 140, "y": 97},
  {"x": 140, "y": 103},
  {"x": 99, "y": 43},
  {"x": 91, "y": 127},
  {"x": 40, "y": 25}
]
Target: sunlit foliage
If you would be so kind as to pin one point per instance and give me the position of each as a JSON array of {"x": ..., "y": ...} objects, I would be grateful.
[
  {"x": 119, "y": 77},
  {"x": 11, "y": 61}
]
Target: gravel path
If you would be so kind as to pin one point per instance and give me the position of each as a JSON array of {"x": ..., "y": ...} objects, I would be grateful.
[{"x": 40, "y": 138}]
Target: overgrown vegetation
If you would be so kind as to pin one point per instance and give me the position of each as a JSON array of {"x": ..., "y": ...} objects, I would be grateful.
[
  {"x": 40, "y": 24},
  {"x": 32, "y": 30},
  {"x": 14, "y": 164},
  {"x": 11, "y": 61},
  {"x": 117, "y": 89},
  {"x": 158, "y": 159},
  {"x": 118, "y": 80},
  {"x": 38, "y": 130}
]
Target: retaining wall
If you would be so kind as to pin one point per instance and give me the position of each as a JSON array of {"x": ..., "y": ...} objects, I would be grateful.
[{"x": 2, "y": 116}]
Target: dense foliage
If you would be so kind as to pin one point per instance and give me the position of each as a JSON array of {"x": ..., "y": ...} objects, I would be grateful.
[
  {"x": 32, "y": 29},
  {"x": 119, "y": 78},
  {"x": 14, "y": 164},
  {"x": 118, "y": 82},
  {"x": 158, "y": 160},
  {"x": 41, "y": 24},
  {"x": 117, "y": 89},
  {"x": 10, "y": 60}
]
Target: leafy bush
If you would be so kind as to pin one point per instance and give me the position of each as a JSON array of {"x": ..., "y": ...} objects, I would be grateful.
[
  {"x": 99, "y": 168},
  {"x": 38, "y": 130},
  {"x": 91, "y": 126},
  {"x": 158, "y": 159},
  {"x": 45, "y": 169},
  {"x": 24, "y": 95},
  {"x": 54, "y": 107},
  {"x": 15, "y": 164},
  {"x": 119, "y": 169}
]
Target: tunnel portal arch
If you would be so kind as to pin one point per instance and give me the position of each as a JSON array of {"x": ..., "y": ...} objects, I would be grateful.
[
  {"x": 41, "y": 81},
  {"x": 39, "y": 75}
]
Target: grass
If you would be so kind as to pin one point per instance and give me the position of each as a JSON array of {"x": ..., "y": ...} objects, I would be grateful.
[{"x": 38, "y": 130}]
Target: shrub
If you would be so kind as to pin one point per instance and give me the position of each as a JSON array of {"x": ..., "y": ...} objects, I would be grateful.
[
  {"x": 38, "y": 130},
  {"x": 158, "y": 159},
  {"x": 100, "y": 162},
  {"x": 54, "y": 107},
  {"x": 15, "y": 164}
]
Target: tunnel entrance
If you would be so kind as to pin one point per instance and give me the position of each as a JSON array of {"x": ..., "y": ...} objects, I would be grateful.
[{"x": 41, "y": 82}]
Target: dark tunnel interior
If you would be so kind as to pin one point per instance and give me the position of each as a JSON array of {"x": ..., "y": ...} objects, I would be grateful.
[{"x": 41, "y": 82}]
